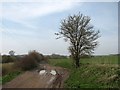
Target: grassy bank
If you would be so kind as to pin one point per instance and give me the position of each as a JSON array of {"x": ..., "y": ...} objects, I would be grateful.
[
  {"x": 10, "y": 76},
  {"x": 95, "y": 72},
  {"x": 9, "y": 72}
]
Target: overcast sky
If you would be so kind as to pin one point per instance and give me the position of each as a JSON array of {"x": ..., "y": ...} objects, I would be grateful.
[{"x": 29, "y": 26}]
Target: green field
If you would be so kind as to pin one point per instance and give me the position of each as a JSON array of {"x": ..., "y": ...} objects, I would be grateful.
[{"x": 95, "y": 72}]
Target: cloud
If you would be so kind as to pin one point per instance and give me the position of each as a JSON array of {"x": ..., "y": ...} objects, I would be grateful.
[
  {"x": 58, "y": 0},
  {"x": 20, "y": 12}
]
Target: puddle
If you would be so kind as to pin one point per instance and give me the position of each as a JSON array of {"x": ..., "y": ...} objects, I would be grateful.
[
  {"x": 42, "y": 72},
  {"x": 53, "y": 72}
]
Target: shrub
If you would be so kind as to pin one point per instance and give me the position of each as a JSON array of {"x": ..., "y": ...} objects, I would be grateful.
[
  {"x": 30, "y": 61},
  {"x": 27, "y": 63},
  {"x": 38, "y": 57}
]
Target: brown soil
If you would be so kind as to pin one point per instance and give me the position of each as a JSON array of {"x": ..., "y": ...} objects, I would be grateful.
[{"x": 32, "y": 79}]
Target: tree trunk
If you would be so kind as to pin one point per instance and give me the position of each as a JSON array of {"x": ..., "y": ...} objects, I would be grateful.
[{"x": 77, "y": 63}]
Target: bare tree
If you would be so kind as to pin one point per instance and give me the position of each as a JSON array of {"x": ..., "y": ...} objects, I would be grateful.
[
  {"x": 11, "y": 53},
  {"x": 81, "y": 34}
]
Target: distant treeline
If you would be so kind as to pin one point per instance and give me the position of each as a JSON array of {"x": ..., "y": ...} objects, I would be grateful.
[
  {"x": 15, "y": 58},
  {"x": 56, "y": 56},
  {"x": 9, "y": 58}
]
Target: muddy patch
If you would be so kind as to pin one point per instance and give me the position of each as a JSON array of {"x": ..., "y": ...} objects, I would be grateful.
[{"x": 48, "y": 77}]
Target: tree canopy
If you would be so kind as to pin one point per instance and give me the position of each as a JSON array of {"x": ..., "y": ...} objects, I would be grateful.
[{"x": 81, "y": 34}]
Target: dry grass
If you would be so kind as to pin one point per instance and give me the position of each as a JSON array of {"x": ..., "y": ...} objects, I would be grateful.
[{"x": 7, "y": 68}]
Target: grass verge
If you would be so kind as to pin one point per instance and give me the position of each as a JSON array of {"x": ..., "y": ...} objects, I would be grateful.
[
  {"x": 95, "y": 72},
  {"x": 10, "y": 76}
]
